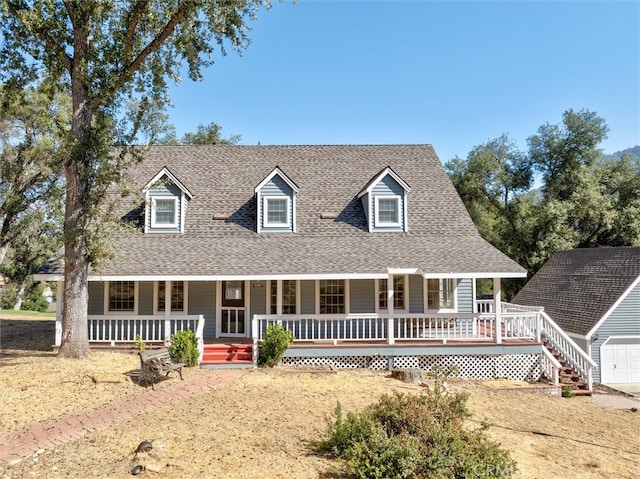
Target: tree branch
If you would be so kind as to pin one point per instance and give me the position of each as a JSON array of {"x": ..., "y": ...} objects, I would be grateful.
[{"x": 136, "y": 12}]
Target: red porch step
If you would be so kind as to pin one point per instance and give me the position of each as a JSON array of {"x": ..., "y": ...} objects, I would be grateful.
[{"x": 227, "y": 355}]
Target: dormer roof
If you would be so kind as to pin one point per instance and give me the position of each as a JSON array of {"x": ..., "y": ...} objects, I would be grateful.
[
  {"x": 165, "y": 172},
  {"x": 277, "y": 171},
  {"x": 376, "y": 179}
]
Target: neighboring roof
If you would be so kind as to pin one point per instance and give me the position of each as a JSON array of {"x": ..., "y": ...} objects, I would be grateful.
[
  {"x": 578, "y": 287},
  {"x": 442, "y": 239}
]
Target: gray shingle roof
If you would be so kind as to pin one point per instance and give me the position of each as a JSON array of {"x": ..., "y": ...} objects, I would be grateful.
[
  {"x": 222, "y": 178},
  {"x": 578, "y": 287}
]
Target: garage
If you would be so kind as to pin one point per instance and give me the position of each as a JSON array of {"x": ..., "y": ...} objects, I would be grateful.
[{"x": 620, "y": 360}]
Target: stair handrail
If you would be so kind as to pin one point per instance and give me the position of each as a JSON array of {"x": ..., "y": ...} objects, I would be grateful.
[
  {"x": 567, "y": 347},
  {"x": 555, "y": 366}
]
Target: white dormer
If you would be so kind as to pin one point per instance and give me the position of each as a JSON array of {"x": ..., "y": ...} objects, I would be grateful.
[
  {"x": 276, "y": 203},
  {"x": 166, "y": 201},
  {"x": 384, "y": 199}
]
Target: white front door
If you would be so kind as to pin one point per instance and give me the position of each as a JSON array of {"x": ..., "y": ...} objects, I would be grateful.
[
  {"x": 233, "y": 313},
  {"x": 620, "y": 360}
]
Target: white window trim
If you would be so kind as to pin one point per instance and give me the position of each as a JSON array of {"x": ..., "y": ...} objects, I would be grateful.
[
  {"x": 185, "y": 302},
  {"x": 347, "y": 298},
  {"x": 265, "y": 210},
  {"x": 268, "y": 295},
  {"x": 406, "y": 296},
  {"x": 173, "y": 224},
  {"x": 382, "y": 224},
  {"x": 107, "y": 311},
  {"x": 440, "y": 310}
]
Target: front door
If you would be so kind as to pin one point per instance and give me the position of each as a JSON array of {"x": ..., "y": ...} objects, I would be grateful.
[{"x": 233, "y": 312}]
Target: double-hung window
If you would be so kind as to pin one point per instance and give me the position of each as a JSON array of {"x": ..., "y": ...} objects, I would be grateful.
[
  {"x": 164, "y": 213},
  {"x": 398, "y": 293},
  {"x": 332, "y": 296},
  {"x": 387, "y": 210},
  {"x": 122, "y": 296},
  {"x": 177, "y": 296},
  {"x": 289, "y": 297},
  {"x": 276, "y": 212},
  {"x": 440, "y": 294}
]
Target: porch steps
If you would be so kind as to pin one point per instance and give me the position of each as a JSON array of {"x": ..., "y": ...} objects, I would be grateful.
[
  {"x": 227, "y": 356},
  {"x": 568, "y": 376}
]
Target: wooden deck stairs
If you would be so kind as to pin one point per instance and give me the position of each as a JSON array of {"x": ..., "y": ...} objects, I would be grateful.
[
  {"x": 568, "y": 376},
  {"x": 227, "y": 355}
]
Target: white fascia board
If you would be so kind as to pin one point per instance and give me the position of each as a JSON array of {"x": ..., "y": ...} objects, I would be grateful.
[
  {"x": 474, "y": 275},
  {"x": 280, "y": 173},
  {"x": 613, "y": 308},
  {"x": 164, "y": 171},
  {"x": 403, "y": 271},
  {"x": 244, "y": 277},
  {"x": 377, "y": 179},
  {"x": 48, "y": 277}
]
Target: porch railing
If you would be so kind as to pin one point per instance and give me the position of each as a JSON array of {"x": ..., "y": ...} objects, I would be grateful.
[
  {"x": 409, "y": 327},
  {"x": 150, "y": 329}
]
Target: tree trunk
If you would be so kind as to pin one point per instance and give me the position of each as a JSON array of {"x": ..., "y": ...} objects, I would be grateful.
[
  {"x": 77, "y": 168},
  {"x": 20, "y": 296}
]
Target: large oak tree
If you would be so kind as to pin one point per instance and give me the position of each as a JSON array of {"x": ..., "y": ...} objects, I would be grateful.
[{"x": 103, "y": 53}]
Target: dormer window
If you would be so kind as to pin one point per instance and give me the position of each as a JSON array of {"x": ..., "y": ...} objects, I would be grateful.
[
  {"x": 384, "y": 200},
  {"x": 166, "y": 205},
  {"x": 276, "y": 203},
  {"x": 387, "y": 211},
  {"x": 276, "y": 212},
  {"x": 164, "y": 213}
]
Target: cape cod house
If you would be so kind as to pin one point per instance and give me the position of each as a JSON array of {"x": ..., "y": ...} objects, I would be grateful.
[
  {"x": 365, "y": 252},
  {"x": 594, "y": 295}
]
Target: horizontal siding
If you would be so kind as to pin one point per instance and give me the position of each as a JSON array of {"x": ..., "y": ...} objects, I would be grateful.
[
  {"x": 464, "y": 292},
  {"x": 145, "y": 297},
  {"x": 96, "y": 297},
  {"x": 258, "y": 298},
  {"x": 363, "y": 296},
  {"x": 623, "y": 321},
  {"x": 307, "y": 297},
  {"x": 168, "y": 190},
  {"x": 276, "y": 187},
  {"x": 387, "y": 187},
  {"x": 202, "y": 300},
  {"x": 416, "y": 293}
]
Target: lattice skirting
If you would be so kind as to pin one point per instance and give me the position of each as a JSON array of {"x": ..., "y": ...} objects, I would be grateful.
[{"x": 517, "y": 367}]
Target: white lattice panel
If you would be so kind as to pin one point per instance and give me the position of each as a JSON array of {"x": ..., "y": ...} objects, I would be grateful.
[{"x": 517, "y": 367}]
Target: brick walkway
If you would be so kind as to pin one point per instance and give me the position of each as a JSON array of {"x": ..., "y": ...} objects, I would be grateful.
[{"x": 74, "y": 425}]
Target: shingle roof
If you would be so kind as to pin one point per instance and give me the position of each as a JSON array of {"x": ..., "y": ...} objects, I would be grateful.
[
  {"x": 578, "y": 287},
  {"x": 222, "y": 178}
]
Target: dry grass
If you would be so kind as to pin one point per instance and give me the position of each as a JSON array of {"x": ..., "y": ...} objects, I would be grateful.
[{"x": 261, "y": 425}]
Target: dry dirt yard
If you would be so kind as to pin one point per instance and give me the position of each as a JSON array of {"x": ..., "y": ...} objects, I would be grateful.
[{"x": 261, "y": 425}]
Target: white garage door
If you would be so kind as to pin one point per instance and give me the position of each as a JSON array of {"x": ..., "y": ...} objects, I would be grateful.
[{"x": 620, "y": 360}]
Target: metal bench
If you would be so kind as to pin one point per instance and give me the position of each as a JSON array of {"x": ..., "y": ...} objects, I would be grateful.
[{"x": 156, "y": 362}]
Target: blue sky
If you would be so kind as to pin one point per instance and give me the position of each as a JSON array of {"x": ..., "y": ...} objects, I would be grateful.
[{"x": 451, "y": 73}]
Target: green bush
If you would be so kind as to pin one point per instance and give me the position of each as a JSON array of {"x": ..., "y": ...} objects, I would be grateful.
[
  {"x": 184, "y": 347},
  {"x": 35, "y": 299},
  {"x": 275, "y": 343},
  {"x": 415, "y": 436}
]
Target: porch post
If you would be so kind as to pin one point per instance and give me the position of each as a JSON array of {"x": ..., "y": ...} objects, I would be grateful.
[
  {"x": 59, "y": 312},
  {"x": 390, "y": 321},
  {"x": 498, "y": 306},
  {"x": 167, "y": 310},
  {"x": 278, "y": 297}
]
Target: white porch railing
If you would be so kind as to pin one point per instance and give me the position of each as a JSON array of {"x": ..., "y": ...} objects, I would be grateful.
[
  {"x": 570, "y": 351},
  {"x": 484, "y": 305},
  {"x": 405, "y": 327},
  {"x": 125, "y": 329}
]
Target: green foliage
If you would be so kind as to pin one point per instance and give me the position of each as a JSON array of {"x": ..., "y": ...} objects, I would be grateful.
[
  {"x": 35, "y": 299},
  {"x": 184, "y": 347},
  {"x": 275, "y": 343},
  {"x": 568, "y": 392},
  {"x": 415, "y": 436},
  {"x": 9, "y": 295},
  {"x": 140, "y": 346}
]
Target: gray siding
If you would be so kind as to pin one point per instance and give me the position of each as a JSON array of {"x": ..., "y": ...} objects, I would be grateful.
[
  {"x": 308, "y": 297},
  {"x": 363, "y": 296},
  {"x": 464, "y": 291},
  {"x": 279, "y": 188},
  {"x": 145, "y": 297},
  {"x": 416, "y": 294},
  {"x": 163, "y": 191},
  {"x": 202, "y": 300},
  {"x": 96, "y": 297},
  {"x": 387, "y": 187},
  {"x": 258, "y": 298},
  {"x": 623, "y": 321}
]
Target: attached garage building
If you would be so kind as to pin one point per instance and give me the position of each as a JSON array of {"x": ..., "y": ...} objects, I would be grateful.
[{"x": 594, "y": 295}]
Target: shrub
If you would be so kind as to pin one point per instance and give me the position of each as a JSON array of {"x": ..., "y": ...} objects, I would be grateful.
[
  {"x": 415, "y": 436},
  {"x": 275, "y": 343},
  {"x": 140, "y": 346},
  {"x": 184, "y": 347},
  {"x": 35, "y": 299}
]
